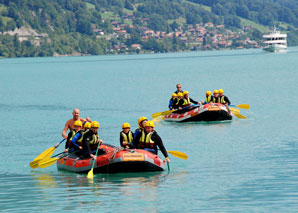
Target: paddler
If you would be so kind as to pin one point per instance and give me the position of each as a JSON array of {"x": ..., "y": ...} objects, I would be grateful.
[
  {"x": 178, "y": 86},
  {"x": 173, "y": 101},
  {"x": 187, "y": 100},
  {"x": 69, "y": 124},
  {"x": 126, "y": 136},
  {"x": 149, "y": 140},
  {"x": 90, "y": 141},
  {"x": 216, "y": 98},
  {"x": 180, "y": 100},
  {"x": 77, "y": 126},
  {"x": 208, "y": 98},
  {"x": 76, "y": 142},
  {"x": 223, "y": 99},
  {"x": 141, "y": 122}
]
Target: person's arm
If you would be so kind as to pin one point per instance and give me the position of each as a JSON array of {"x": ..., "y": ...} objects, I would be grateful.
[
  {"x": 67, "y": 144},
  {"x": 227, "y": 100},
  {"x": 65, "y": 129},
  {"x": 158, "y": 141},
  {"x": 171, "y": 104},
  {"x": 121, "y": 140},
  {"x": 76, "y": 138},
  {"x": 193, "y": 101}
]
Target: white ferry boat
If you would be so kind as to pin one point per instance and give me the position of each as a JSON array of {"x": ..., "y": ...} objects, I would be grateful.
[{"x": 275, "y": 41}]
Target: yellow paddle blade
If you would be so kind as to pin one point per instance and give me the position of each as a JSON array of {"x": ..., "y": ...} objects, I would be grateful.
[
  {"x": 45, "y": 154},
  {"x": 178, "y": 154},
  {"x": 47, "y": 162},
  {"x": 239, "y": 116},
  {"x": 243, "y": 106},
  {"x": 90, "y": 174},
  {"x": 234, "y": 110},
  {"x": 157, "y": 114},
  {"x": 167, "y": 112},
  {"x": 34, "y": 164}
]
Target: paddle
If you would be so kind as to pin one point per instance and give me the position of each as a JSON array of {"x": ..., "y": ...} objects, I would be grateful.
[
  {"x": 234, "y": 110},
  {"x": 35, "y": 164},
  {"x": 48, "y": 162},
  {"x": 178, "y": 154},
  {"x": 157, "y": 114},
  {"x": 45, "y": 154},
  {"x": 90, "y": 173},
  {"x": 239, "y": 116},
  {"x": 242, "y": 106}
]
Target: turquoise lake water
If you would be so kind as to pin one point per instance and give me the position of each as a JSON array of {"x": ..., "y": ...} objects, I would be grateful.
[{"x": 239, "y": 166}]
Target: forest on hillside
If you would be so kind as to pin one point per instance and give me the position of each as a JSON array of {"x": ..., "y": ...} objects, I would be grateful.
[{"x": 72, "y": 25}]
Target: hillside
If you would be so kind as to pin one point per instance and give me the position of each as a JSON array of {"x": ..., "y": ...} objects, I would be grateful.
[{"x": 91, "y": 27}]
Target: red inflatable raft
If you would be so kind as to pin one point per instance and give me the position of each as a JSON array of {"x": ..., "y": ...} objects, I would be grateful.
[
  {"x": 113, "y": 159},
  {"x": 207, "y": 112}
]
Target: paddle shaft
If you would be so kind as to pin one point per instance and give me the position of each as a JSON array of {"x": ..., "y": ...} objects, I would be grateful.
[
  {"x": 95, "y": 155},
  {"x": 59, "y": 143}
]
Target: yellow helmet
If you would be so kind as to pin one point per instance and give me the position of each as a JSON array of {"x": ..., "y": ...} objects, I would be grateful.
[
  {"x": 215, "y": 91},
  {"x": 208, "y": 92},
  {"x": 220, "y": 91},
  {"x": 95, "y": 124},
  {"x": 180, "y": 94},
  {"x": 185, "y": 92},
  {"x": 87, "y": 125},
  {"x": 78, "y": 123},
  {"x": 150, "y": 123},
  {"x": 141, "y": 119},
  {"x": 125, "y": 125},
  {"x": 174, "y": 95}
]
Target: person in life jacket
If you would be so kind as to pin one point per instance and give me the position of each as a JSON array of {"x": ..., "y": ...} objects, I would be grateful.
[
  {"x": 208, "y": 98},
  {"x": 187, "y": 100},
  {"x": 91, "y": 141},
  {"x": 76, "y": 142},
  {"x": 222, "y": 98},
  {"x": 141, "y": 122},
  {"x": 126, "y": 136},
  {"x": 178, "y": 86},
  {"x": 180, "y": 100},
  {"x": 149, "y": 140},
  {"x": 216, "y": 98},
  {"x": 77, "y": 126},
  {"x": 173, "y": 101}
]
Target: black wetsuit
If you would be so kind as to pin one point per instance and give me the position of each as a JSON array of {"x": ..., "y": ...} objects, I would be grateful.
[
  {"x": 173, "y": 103},
  {"x": 178, "y": 92},
  {"x": 157, "y": 142},
  {"x": 68, "y": 141},
  {"x": 181, "y": 102},
  {"x": 226, "y": 99},
  {"x": 90, "y": 148}
]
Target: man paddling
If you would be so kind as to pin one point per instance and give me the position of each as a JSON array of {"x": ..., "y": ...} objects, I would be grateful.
[
  {"x": 69, "y": 123},
  {"x": 149, "y": 140},
  {"x": 223, "y": 98}
]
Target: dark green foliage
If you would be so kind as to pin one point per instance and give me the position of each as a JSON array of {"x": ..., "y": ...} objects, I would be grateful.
[
  {"x": 261, "y": 11},
  {"x": 71, "y": 24}
]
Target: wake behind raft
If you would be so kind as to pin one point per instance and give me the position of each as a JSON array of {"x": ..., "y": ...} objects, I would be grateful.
[
  {"x": 207, "y": 112},
  {"x": 114, "y": 160}
]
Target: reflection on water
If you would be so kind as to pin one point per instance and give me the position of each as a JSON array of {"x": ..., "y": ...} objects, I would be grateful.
[{"x": 69, "y": 190}]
